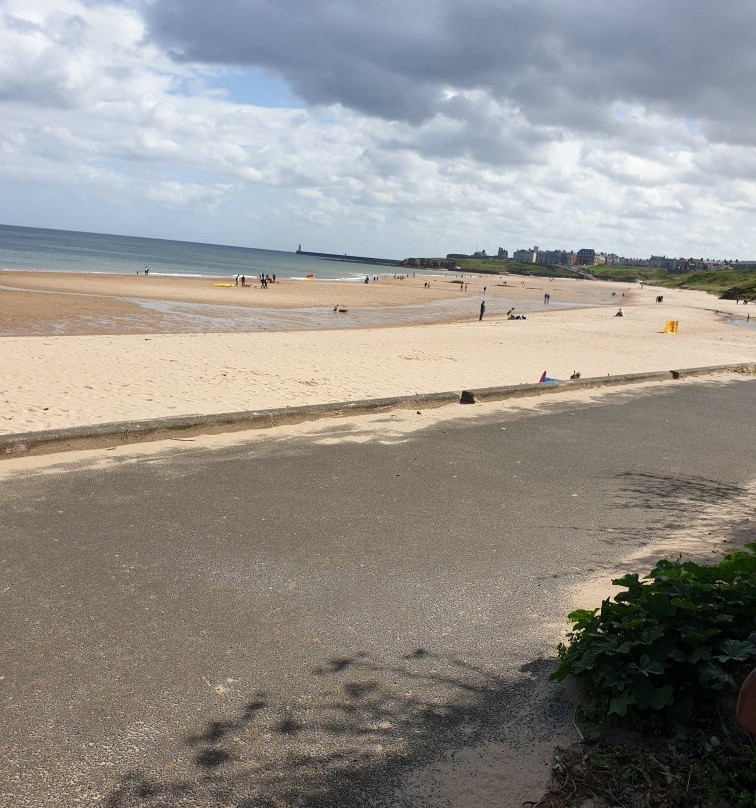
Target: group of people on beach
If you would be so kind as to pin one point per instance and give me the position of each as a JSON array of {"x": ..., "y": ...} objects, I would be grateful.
[{"x": 241, "y": 280}]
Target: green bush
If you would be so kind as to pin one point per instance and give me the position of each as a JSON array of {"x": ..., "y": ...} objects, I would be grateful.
[{"x": 661, "y": 651}]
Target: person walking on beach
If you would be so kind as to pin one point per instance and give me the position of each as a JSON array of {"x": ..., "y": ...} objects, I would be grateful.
[{"x": 482, "y": 309}]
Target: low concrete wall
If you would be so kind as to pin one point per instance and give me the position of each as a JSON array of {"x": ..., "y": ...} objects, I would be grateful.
[{"x": 124, "y": 432}]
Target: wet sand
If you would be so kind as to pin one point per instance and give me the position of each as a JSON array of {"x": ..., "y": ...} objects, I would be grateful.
[{"x": 49, "y": 303}]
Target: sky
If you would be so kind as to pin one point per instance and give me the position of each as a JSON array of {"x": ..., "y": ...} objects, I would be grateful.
[{"x": 391, "y": 128}]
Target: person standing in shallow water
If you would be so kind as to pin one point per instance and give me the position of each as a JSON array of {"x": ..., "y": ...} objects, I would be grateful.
[{"x": 482, "y": 309}]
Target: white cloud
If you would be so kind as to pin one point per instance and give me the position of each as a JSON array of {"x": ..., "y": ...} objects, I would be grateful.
[
  {"x": 423, "y": 134},
  {"x": 178, "y": 195}
]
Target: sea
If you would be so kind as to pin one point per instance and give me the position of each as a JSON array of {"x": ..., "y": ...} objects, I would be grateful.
[{"x": 34, "y": 248}]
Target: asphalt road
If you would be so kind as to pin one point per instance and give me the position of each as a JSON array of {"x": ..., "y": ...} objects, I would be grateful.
[{"x": 319, "y": 622}]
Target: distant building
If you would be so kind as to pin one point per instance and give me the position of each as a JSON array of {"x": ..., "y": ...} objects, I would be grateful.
[
  {"x": 558, "y": 257},
  {"x": 502, "y": 253},
  {"x": 662, "y": 262},
  {"x": 526, "y": 256},
  {"x": 614, "y": 260},
  {"x": 687, "y": 264},
  {"x": 585, "y": 257},
  {"x": 457, "y": 255}
]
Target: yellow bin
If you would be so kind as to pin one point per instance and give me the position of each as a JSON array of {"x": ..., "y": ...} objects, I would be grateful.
[{"x": 670, "y": 327}]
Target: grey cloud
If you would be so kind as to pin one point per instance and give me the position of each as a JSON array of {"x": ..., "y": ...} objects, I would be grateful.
[
  {"x": 395, "y": 59},
  {"x": 475, "y": 128},
  {"x": 14, "y": 23}
]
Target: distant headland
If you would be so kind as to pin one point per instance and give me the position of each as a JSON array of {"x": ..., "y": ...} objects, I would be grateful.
[{"x": 355, "y": 259}]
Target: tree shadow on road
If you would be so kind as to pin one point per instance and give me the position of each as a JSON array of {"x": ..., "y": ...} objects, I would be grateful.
[
  {"x": 674, "y": 494},
  {"x": 695, "y": 517},
  {"x": 368, "y": 725}
]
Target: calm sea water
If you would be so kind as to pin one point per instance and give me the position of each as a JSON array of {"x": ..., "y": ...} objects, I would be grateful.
[{"x": 32, "y": 248}]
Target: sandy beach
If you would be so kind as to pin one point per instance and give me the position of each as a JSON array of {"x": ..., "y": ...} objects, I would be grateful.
[{"x": 85, "y": 349}]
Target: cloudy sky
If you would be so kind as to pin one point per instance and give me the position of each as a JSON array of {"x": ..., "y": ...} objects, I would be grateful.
[{"x": 385, "y": 127}]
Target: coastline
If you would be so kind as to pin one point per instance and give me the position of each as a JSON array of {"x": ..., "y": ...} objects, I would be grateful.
[{"x": 83, "y": 375}]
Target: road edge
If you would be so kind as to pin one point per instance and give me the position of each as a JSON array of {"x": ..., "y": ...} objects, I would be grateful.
[{"x": 98, "y": 436}]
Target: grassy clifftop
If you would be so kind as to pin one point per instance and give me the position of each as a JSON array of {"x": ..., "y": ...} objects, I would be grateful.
[{"x": 728, "y": 284}]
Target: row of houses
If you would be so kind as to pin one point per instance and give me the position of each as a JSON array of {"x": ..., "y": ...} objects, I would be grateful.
[
  {"x": 535, "y": 255},
  {"x": 589, "y": 257}
]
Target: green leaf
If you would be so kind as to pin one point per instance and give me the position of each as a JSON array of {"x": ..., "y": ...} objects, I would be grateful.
[
  {"x": 678, "y": 655},
  {"x": 642, "y": 690},
  {"x": 736, "y": 649},
  {"x": 584, "y": 663},
  {"x": 581, "y": 617},
  {"x": 631, "y": 581},
  {"x": 619, "y": 704},
  {"x": 713, "y": 676},
  {"x": 629, "y": 625},
  {"x": 687, "y": 605},
  {"x": 648, "y": 666},
  {"x": 700, "y": 653},
  {"x": 662, "y": 697},
  {"x": 694, "y": 637},
  {"x": 652, "y": 633},
  {"x": 659, "y": 606}
]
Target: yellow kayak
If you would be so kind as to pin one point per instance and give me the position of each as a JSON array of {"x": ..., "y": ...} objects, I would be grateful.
[{"x": 224, "y": 284}]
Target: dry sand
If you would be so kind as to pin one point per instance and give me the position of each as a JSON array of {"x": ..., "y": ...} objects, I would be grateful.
[{"x": 53, "y": 381}]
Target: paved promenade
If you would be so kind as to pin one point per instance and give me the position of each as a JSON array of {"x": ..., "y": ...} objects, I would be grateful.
[{"x": 359, "y": 616}]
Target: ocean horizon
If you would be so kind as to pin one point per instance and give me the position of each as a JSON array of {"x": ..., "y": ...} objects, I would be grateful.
[{"x": 37, "y": 249}]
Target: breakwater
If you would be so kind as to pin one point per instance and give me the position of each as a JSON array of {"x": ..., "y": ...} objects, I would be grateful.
[{"x": 355, "y": 259}]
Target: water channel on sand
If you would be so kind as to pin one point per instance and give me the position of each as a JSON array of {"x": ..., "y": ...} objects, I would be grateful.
[{"x": 183, "y": 317}]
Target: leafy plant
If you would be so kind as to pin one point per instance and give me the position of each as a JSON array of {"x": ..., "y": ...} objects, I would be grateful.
[{"x": 662, "y": 650}]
